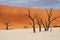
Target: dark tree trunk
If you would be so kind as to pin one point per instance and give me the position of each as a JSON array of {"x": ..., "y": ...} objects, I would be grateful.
[
  {"x": 46, "y": 28},
  {"x": 39, "y": 27},
  {"x": 7, "y": 26},
  {"x": 33, "y": 25},
  {"x": 47, "y": 25}
]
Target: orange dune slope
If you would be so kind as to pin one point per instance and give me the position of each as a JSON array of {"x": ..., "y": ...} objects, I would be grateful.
[{"x": 16, "y": 18}]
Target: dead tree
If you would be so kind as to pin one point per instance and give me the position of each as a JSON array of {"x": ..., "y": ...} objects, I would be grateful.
[
  {"x": 39, "y": 23},
  {"x": 32, "y": 19},
  {"x": 38, "y": 19},
  {"x": 49, "y": 14},
  {"x": 49, "y": 20},
  {"x": 7, "y": 25},
  {"x": 4, "y": 21}
]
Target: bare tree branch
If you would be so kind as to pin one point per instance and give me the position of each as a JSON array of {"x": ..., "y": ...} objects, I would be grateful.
[
  {"x": 49, "y": 13},
  {"x": 42, "y": 23},
  {"x": 45, "y": 23},
  {"x": 37, "y": 16},
  {"x": 55, "y": 18}
]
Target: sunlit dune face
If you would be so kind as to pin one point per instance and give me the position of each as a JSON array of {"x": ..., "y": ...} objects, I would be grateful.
[{"x": 16, "y": 18}]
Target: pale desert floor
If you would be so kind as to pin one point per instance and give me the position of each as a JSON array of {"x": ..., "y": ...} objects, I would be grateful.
[{"x": 27, "y": 34}]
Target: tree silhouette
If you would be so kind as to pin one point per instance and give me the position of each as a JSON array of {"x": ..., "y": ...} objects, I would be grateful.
[
  {"x": 7, "y": 25},
  {"x": 4, "y": 21},
  {"x": 49, "y": 20},
  {"x": 32, "y": 19},
  {"x": 38, "y": 19}
]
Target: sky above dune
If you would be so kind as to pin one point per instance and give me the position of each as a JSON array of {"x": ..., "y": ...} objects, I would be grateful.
[{"x": 33, "y": 3}]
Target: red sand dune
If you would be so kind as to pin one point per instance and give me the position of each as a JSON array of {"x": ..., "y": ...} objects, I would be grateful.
[{"x": 14, "y": 15}]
